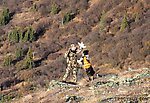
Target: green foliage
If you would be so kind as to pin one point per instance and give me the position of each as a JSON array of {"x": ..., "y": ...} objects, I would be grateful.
[
  {"x": 1, "y": 96},
  {"x": 4, "y": 16},
  {"x": 124, "y": 23},
  {"x": 22, "y": 84},
  {"x": 35, "y": 7},
  {"x": 54, "y": 9},
  {"x": 20, "y": 33},
  {"x": 102, "y": 22},
  {"x": 137, "y": 17},
  {"x": 29, "y": 35},
  {"x": 16, "y": 35},
  {"x": 4, "y": 98},
  {"x": 66, "y": 17},
  {"x": 19, "y": 53},
  {"x": 3, "y": 39},
  {"x": 7, "y": 61},
  {"x": 31, "y": 86},
  {"x": 13, "y": 36},
  {"x": 29, "y": 59}
]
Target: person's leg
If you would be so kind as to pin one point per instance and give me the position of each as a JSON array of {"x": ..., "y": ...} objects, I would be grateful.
[
  {"x": 67, "y": 71},
  {"x": 74, "y": 72},
  {"x": 90, "y": 73}
]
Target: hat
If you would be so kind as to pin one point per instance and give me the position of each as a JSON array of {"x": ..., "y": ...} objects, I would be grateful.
[
  {"x": 85, "y": 52},
  {"x": 73, "y": 47}
]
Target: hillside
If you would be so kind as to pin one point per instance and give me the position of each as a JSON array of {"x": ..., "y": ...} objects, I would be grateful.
[
  {"x": 121, "y": 88},
  {"x": 116, "y": 33}
]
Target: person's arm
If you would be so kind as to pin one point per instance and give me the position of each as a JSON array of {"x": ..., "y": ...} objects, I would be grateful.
[
  {"x": 79, "y": 50},
  {"x": 80, "y": 61},
  {"x": 67, "y": 53}
]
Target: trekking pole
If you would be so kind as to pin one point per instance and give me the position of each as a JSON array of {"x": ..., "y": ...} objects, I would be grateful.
[{"x": 79, "y": 70}]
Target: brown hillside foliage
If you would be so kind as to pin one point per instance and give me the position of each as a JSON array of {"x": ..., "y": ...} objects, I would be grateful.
[{"x": 111, "y": 48}]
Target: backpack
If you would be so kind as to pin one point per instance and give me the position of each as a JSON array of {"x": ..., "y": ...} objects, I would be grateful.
[{"x": 86, "y": 63}]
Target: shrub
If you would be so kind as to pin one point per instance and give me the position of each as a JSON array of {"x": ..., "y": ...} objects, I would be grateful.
[
  {"x": 35, "y": 7},
  {"x": 29, "y": 35},
  {"x": 124, "y": 23},
  {"x": 1, "y": 95},
  {"x": 16, "y": 35},
  {"x": 4, "y": 16},
  {"x": 20, "y": 32},
  {"x": 102, "y": 22},
  {"x": 29, "y": 59},
  {"x": 54, "y": 9},
  {"x": 66, "y": 17},
  {"x": 7, "y": 61},
  {"x": 4, "y": 98},
  {"x": 137, "y": 17},
  {"x": 19, "y": 53},
  {"x": 13, "y": 36},
  {"x": 31, "y": 86}
]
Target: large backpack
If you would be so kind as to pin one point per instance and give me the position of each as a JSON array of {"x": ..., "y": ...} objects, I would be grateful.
[{"x": 86, "y": 63}]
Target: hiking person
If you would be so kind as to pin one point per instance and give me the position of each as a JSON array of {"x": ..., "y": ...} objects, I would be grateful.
[
  {"x": 71, "y": 56},
  {"x": 85, "y": 62}
]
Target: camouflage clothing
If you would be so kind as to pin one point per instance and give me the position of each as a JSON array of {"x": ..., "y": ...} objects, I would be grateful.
[{"x": 71, "y": 63}]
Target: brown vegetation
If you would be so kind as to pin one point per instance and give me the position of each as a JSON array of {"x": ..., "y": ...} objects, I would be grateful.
[{"x": 118, "y": 49}]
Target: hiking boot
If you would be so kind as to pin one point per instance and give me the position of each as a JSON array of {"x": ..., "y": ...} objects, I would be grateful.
[{"x": 63, "y": 81}]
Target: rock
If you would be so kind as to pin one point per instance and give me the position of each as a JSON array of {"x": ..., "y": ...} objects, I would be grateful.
[
  {"x": 61, "y": 84},
  {"x": 70, "y": 99},
  {"x": 122, "y": 81},
  {"x": 130, "y": 69},
  {"x": 145, "y": 68},
  {"x": 106, "y": 100},
  {"x": 132, "y": 102},
  {"x": 112, "y": 82},
  {"x": 105, "y": 84},
  {"x": 142, "y": 75},
  {"x": 110, "y": 75}
]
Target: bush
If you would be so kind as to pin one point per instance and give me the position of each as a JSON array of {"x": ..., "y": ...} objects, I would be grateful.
[
  {"x": 29, "y": 59},
  {"x": 35, "y": 7},
  {"x": 102, "y": 22},
  {"x": 4, "y": 16},
  {"x": 5, "y": 98},
  {"x": 66, "y": 17},
  {"x": 19, "y": 53},
  {"x": 16, "y": 35},
  {"x": 13, "y": 36},
  {"x": 31, "y": 86},
  {"x": 54, "y": 9},
  {"x": 137, "y": 17},
  {"x": 7, "y": 61},
  {"x": 29, "y": 35},
  {"x": 124, "y": 23},
  {"x": 20, "y": 33}
]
